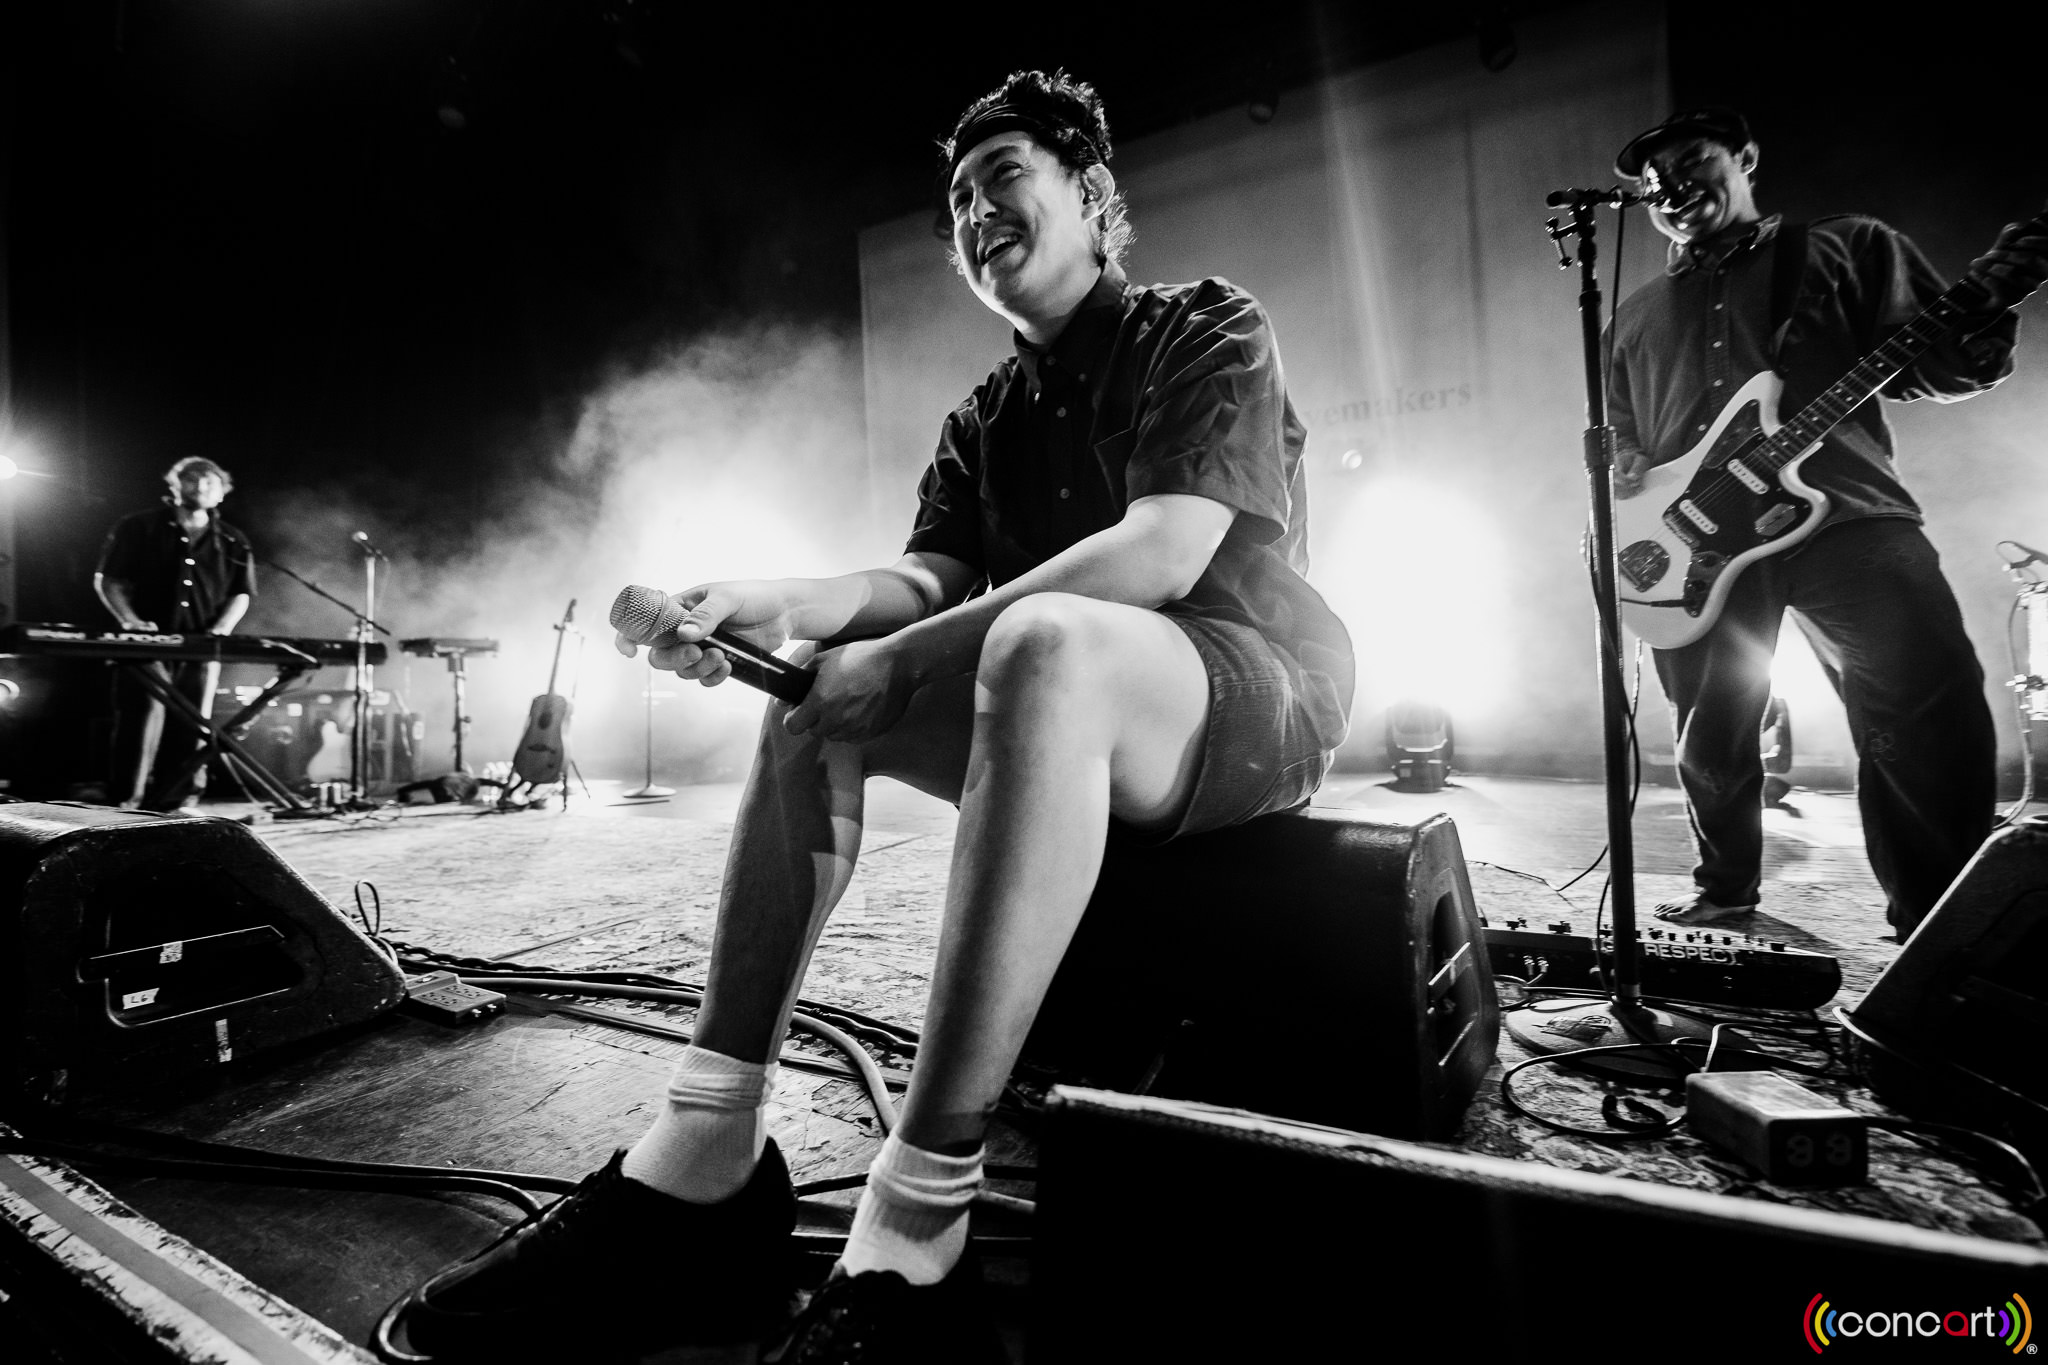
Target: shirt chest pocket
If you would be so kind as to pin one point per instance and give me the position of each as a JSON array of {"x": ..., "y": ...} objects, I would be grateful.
[{"x": 1112, "y": 460}]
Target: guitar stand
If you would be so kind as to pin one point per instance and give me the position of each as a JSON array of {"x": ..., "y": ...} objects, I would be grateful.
[
  {"x": 459, "y": 784},
  {"x": 507, "y": 797},
  {"x": 223, "y": 739},
  {"x": 555, "y": 760}
]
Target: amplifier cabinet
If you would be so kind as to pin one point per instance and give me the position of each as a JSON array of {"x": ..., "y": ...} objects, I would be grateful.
[
  {"x": 140, "y": 947},
  {"x": 303, "y": 737},
  {"x": 1313, "y": 964}
]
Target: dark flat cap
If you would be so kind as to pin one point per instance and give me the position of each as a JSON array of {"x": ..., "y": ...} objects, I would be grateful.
[{"x": 1718, "y": 122}]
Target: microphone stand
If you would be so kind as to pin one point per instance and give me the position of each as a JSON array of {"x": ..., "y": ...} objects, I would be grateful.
[
  {"x": 1622, "y": 1017},
  {"x": 650, "y": 788},
  {"x": 364, "y": 631},
  {"x": 359, "y": 742}
]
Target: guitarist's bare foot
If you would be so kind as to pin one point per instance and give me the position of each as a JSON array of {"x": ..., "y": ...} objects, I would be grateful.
[{"x": 1697, "y": 909}]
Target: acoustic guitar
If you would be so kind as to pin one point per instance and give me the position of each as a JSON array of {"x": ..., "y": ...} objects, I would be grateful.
[
  {"x": 543, "y": 749},
  {"x": 1736, "y": 496}
]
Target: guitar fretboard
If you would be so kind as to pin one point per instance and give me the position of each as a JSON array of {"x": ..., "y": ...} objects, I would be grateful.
[{"x": 1870, "y": 374}]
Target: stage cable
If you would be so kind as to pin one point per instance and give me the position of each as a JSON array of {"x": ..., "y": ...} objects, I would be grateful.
[{"x": 834, "y": 1025}]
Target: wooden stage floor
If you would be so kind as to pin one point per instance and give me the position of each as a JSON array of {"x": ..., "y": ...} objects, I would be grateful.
[{"x": 606, "y": 883}]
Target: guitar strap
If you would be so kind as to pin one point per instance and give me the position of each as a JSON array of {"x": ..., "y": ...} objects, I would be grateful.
[{"x": 1788, "y": 265}]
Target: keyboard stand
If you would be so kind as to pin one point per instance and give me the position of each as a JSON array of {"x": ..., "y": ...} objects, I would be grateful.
[{"x": 223, "y": 738}]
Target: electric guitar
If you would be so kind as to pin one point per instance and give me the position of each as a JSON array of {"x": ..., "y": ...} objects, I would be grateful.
[
  {"x": 331, "y": 762},
  {"x": 542, "y": 749},
  {"x": 1736, "y": 496}
]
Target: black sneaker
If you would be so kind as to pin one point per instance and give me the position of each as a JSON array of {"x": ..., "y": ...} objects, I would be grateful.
[
  {"x": 880, "y": 1318},
  {"x": 611, "y": 1272}
]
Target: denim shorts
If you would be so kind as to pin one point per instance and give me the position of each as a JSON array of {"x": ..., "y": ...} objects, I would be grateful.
[{"x": 1260, "y": 753}]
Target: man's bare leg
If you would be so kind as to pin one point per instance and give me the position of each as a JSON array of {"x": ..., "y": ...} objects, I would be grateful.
[
  {"x": 686, "y": 1237},
  {"x": 794, "y": 846},
  {"x": 793, "y": 851},
  {"x": 1083, "y": 709}
]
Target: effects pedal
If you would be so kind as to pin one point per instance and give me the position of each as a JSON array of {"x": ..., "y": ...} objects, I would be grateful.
[{"x": 1677, "y": 963}]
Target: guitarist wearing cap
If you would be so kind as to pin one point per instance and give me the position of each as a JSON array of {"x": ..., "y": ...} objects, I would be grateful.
[{"x": 1749, "y": 304}]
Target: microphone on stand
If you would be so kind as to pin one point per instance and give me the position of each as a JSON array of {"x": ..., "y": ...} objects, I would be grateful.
[
  {"x": 1617, "y": 196},
  {"x": 362, "y": 540},
  {"x": 644, "y": 614}
]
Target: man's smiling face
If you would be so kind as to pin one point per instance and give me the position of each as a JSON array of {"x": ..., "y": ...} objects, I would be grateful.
[
  {"x": 1709, "y": 184},
  {"x": 1022, "y": 225}
]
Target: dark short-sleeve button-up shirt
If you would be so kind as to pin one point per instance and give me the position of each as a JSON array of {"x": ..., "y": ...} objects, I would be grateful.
[
  {"x": 1148, "y": 390},
  {"x": 179, "y": 582}
]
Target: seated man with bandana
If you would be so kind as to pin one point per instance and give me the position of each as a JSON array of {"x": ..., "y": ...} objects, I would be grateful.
[{"x": 1100, "y": 616}]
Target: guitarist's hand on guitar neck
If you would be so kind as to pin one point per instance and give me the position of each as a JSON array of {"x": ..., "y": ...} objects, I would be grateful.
[{"x": 2015, "y": 266}]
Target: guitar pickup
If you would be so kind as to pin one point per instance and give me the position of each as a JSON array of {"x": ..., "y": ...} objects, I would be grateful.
[
  {"x": 1690, "y": 510},
  {"x": 1747, "y": 477}
]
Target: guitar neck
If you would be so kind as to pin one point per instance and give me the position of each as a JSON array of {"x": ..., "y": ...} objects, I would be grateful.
[
  {"x": 1870, "y": 374},
  {"x": 561, "y": 634}
]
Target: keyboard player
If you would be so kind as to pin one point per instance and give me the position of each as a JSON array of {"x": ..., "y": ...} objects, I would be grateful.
[{"x": 179, "y": 567}]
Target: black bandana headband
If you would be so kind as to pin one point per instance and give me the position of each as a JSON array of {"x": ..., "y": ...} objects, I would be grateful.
[{"x": 1011, "y": 118}]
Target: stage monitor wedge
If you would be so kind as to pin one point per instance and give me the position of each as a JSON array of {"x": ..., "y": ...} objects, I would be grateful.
[
  {"x": 1962, "y": 1013},
  {"x": 1317, "y": 964},
  {"x": 141, "y": 948}
]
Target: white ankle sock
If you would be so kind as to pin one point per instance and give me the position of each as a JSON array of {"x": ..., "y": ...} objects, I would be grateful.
[
  {"x": 913, "y": 1215},
  {"x": 705, "y": 1143}
]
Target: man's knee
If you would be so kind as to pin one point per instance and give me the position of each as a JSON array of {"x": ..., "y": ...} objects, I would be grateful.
[{"x": 1048, "y": 638}]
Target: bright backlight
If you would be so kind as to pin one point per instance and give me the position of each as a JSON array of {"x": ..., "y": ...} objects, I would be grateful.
[{"x": 1415, "y": 571}]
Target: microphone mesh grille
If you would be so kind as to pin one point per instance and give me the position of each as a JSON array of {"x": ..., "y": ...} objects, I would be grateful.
[{"x": 637, "y": 612}]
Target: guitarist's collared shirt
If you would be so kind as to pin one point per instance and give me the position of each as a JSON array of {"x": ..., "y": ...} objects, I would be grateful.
[
  {"x": 1686, "y": 342},
  {"x": 1685, "y": 257}
]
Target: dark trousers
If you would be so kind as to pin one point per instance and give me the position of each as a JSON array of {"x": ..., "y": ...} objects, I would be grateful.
[
  {"x": 150, "y": 742},
  {"x": 1870, "y": 596}
]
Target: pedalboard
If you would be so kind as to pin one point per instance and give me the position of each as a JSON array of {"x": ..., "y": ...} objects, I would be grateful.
[
  {"x": 1677, "y": 964},
  {"x": 1785, "y": 1131},
  {"x": 446, "y": 998}
]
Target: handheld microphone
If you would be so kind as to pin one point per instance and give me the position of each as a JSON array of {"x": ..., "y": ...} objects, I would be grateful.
[
  {"x": 644, "y": 614},
  {"x": 362, "y": 540}
]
